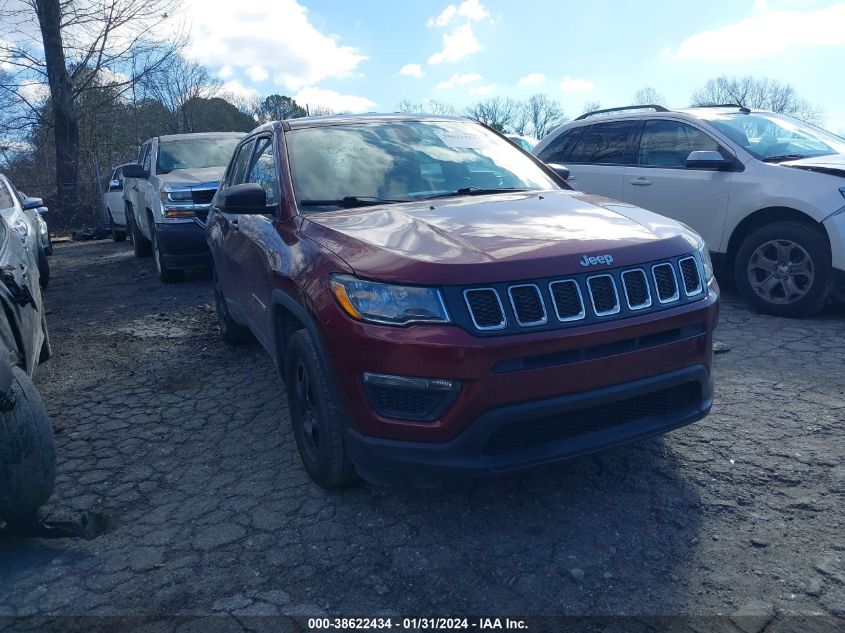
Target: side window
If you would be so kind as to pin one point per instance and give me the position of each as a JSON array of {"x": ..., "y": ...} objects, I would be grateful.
[
  {"x": 147, "y": 161},
  {"x": 6, "y": 200},
  {"x": 237, "y": 170},
  {"x": 559, "y": 150},
  {"x": 263, "y": 169},
  {"x": 668, "y": 143},
  {"x": 603, "y": 143}
]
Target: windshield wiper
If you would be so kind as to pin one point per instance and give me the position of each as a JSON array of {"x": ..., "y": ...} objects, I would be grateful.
[
  {"x": 782, "y": 157},
  {"x": 349, "y": 202},
  {"x": 473, "y": 191}
]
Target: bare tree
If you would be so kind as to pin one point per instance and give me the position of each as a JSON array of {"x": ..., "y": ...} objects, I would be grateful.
[
  {"x": 591, "y": 106},
  {"x": 177, "y": 84},
  {"x": 757, "y": 92},
  {"x": 543, "y": 114},
  {"x": 499, "y": 113},
  {"x": 432, "y": 106},
  {"x": 648, "y": 96},
  {"x": 75, "y": 47}
]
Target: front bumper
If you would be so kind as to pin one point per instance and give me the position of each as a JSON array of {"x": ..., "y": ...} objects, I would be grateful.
[
  {"x": 183, "y": 245},
  {"x": 530, "y": 434}
]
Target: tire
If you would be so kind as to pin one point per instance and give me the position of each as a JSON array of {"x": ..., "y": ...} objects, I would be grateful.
[
  {"x": 232, "y": 332},
  {"x": 140, "y": 245},
  {"x": 27, "y": 454},
  {"x": 316, "y": 416},
  {"x": 46, "y": 351},
  {"x": 784, "y": 269},
  {"x": 43, "y": 268},
  {"x": 49, "y": 249},
  {"x": 117, "y": 235},
  {"x": 166, "y": 274}
]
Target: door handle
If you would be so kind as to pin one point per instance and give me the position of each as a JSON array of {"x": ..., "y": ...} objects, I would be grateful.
[{"x": 641, "y": 182}]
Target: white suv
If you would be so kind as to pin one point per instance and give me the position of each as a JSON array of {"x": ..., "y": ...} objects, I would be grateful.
[{"x": 765, "y": 191}]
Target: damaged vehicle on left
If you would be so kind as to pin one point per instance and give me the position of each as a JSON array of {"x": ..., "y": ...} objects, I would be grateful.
[{"x": 27, "y": 455}]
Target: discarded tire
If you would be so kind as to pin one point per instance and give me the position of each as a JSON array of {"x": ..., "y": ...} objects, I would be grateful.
[{"x": 27, "y": 455}]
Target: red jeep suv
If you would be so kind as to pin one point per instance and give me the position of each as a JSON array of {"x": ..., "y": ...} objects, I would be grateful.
[{"x": 441, "y": 304}]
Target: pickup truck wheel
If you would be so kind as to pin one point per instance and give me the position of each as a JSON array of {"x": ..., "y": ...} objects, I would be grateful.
[
  {"x": 116, "y": 234},
  {"x": 27, "y": 455},
  {"x": 43, "y": 267},
  {"x": 232, "y": 332},
  {"x": 784, "y": 269},
  {"x": 165, "y": 273},
  {"x": 316, "y": 416},
  {"x": 140, "y": 244}
]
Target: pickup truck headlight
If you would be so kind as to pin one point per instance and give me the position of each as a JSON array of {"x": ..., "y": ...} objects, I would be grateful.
[
  {"x": 177, "y": 203},
  {"x": 706, "y": 263},
  {"x": 388, "y": 304}
]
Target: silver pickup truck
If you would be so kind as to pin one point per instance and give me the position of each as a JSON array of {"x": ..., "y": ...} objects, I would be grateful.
[{"x": 167, "y": 194}]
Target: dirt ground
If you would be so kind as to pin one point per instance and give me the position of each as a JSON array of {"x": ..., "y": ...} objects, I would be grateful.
[{"x": 184, "y": 443}]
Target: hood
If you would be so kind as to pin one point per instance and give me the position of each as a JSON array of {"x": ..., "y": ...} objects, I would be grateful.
[
  {"x": 833, "y": 164},
  {"x": 503, "y": 237},
  {"x": 190, "y": 177}
]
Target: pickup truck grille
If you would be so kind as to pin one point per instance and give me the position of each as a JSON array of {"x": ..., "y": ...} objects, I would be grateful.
[
  {"x": 202, "y": 196},
  {"x": 585, "y": 298}
]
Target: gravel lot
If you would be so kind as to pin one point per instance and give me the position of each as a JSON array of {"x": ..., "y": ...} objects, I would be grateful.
[{"x": 184, "y": 443}]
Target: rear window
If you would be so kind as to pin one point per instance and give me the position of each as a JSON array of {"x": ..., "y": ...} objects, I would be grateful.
[{"x": 603, "y": 143}]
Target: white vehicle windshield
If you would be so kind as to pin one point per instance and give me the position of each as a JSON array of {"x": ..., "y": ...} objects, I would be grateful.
[
  {"x": 194, "y": 153},
  {"x": 397, "y": 161},
  {"x": 774, "y": 137}
]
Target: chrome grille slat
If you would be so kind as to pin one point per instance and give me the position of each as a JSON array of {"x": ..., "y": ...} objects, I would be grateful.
[
  {"x": 665, "y": 282},
  {"x": 482, "y": 313},
  {"x": 635, "y": 282},
  {"x": 691, "y": 275},
  {"x": 563, "y": 298},
  {"x": 594, "y": 287},
  {"x": 528, "y": 305}
]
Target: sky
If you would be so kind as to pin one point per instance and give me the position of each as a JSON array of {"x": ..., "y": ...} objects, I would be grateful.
[{"x": 370, "y": 55}]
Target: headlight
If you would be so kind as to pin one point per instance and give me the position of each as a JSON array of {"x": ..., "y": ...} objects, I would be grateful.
[
  {"x": 706, "y": 263},
  {"x": 388, "y": 304},
  {"x": 180, "y": 196}
]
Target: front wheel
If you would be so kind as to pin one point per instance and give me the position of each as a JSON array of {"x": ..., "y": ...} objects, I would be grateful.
[
  {"x": 316, "y": 416},
  {"x": 784, "y": 269},
  {"x": 232, "y": 332},
  {"x": 165, "y": 273},
  {"x": 117, "y": 235},
  {"x": 140, "y": 244}
]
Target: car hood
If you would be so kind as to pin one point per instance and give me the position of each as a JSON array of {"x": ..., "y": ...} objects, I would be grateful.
[
  {"x": 503, "y": 237},
  {"x": 833, "y": 164},
  {"x": 192, "y": 177}
]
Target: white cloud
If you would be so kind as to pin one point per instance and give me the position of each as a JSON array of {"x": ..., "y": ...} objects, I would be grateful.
[
  {"x": 34, "y": 91},
  {"x": 470, "y": 9},
  {"x": 482, "y": 90},
  {"x": 237, "y": 89},
  {"x": 532, "y": 79},
  {"x": 238, "y": 35},
  {"x": 458, "y": 80},
  {"x": 225, "y": 72},
  {"x": 315, "y": 97},
  {"x": 569, "y": 84},
  {"x": 413, "y": 70},
  {"x": 257, "y": 73},
  {"x": 456, "y": 45},
  {"x": 767, "y": 33}
]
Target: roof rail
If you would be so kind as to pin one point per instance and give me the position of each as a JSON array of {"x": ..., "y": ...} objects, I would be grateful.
[
  {"x": 651, "y": 106},
  {"x": 725, "y": 105}
]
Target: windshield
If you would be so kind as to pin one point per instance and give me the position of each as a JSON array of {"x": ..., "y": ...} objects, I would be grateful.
[
  {"x": 195, "y": 153},
  {"x": 775, "y": 136},
  {"x": 404, "y": 161}
]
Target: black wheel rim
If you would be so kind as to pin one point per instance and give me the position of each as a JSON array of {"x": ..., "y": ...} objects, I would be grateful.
[{"x": 306, "y": 404}]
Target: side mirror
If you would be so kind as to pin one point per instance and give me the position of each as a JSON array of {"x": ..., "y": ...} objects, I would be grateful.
[
  {"x": 248, "y": 198},
  {"x": 135, "y": 171},
  {"x": 708, "y": 160},
  {"x": 114, "y": 185},
  {"x": 42, "y": 210},
  {"x": 32, "y": 203},
  {"x": 560, "y": 170}
]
